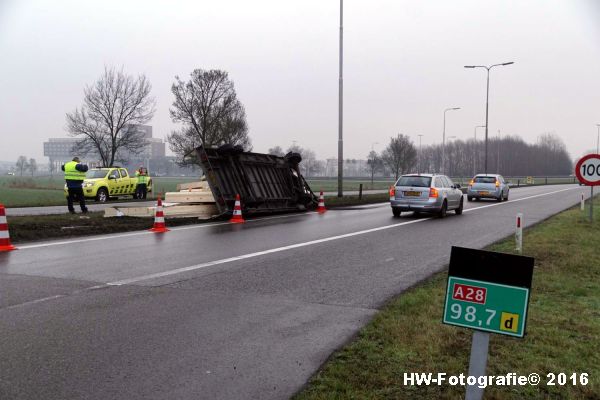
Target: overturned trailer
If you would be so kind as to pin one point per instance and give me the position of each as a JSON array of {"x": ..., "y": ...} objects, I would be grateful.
[{"x": 265, "y": 183}]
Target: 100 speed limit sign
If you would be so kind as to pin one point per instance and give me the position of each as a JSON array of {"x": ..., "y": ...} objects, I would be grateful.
[{"x": 587, "y": 170}]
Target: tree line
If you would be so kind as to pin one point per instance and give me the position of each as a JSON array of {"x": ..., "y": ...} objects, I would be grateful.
[
  {"x": 24, "y": 165},
  {"x": 510, "y": 156},
  {"x": 207, "y": 106}
]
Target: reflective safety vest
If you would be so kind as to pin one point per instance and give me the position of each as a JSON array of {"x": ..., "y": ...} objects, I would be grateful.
[
  {"x": 71, "y": 173},
  {"x": 142, "y": 178}
]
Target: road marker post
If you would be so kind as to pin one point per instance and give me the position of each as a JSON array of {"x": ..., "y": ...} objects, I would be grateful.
[
  {"x": 519, "y": 233},
  {"x": 582, "y": 202},
  {"x": 489, "y": 293}
]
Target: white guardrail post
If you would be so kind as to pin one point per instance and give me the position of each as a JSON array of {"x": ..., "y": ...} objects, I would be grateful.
[
  {"x": 582, "y": 202},
  {"x": 519, "y": 233}
]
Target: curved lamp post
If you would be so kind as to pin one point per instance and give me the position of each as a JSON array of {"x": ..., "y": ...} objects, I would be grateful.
[{"x": 487, "y": 97}]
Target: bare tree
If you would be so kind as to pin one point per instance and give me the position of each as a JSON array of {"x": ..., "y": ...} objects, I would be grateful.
[
  {"x": 212, "y": 115},
  {"x": 32, "y": 166},
  {"x": 22, "y": 164},
  {"x": 375, "y": 164},
  {"x": 111, "y": 107},
  {"x": 276, "y": 151},
  {"x": 400, "y": 155}
]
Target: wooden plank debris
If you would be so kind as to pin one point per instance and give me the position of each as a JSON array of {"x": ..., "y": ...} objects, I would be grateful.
[
  {"x": 203, "y": 196},
  {"x": 192, "y": 185},
  {"x": 204, "y": 211}
]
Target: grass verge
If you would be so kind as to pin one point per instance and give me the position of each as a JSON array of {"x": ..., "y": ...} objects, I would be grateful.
[
  {"x": 563, "y": 330},
  {"x": 334, "y": 201},
  {"x": 43, "y": 191}
]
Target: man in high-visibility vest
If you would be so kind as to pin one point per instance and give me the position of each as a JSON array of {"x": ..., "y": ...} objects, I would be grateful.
[
  {"x": 74, "y": 176},
  {"x": 142, "y": 183}
]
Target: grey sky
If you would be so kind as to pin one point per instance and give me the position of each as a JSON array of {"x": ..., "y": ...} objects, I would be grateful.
[{"x": 403, "y": 65}]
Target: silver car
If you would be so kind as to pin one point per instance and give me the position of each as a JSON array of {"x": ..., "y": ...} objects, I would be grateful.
[
  {"x": 490, "y": 186},
  {"x": 430, "y": 193}
]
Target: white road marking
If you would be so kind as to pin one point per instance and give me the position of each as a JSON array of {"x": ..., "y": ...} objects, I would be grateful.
[
  {"x": 28, "y": 303},
  {"x": 516, "y": 200},
  {"x": 260, "y": 253},
  {"x": 297, "y": 245}
]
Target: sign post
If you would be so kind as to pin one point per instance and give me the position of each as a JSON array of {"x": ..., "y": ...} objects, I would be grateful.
[
  {"x": 487, "y": 292},
  {"x": 587, "y": 171}
]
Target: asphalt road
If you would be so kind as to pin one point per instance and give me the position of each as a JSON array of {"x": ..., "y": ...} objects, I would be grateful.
[{"x": 220, "y": 311}]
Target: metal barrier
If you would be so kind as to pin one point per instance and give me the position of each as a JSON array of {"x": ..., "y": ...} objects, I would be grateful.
[{"x": 266, "y": 183}]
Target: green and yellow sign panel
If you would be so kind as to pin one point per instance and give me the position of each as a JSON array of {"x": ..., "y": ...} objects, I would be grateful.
[{"x": 488, "y": 291}]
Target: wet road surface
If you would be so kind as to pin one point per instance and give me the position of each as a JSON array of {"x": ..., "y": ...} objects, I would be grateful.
[{"x": 220, "y": 311}]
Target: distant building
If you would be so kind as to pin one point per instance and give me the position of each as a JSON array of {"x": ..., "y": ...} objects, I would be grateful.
[
  {"x": 61, "y": 150},
  {"x": 155, "y": 147}
]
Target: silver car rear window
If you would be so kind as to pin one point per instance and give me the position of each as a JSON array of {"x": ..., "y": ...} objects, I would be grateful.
[
  {"x": 416, "y": 181},
  {"x": 485, "y": 179}
]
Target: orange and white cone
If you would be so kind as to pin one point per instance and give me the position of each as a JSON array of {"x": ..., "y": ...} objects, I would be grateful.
[
  {"x": 321, "y": 207},
  {"x": 159, "y": 219},
  {"x": 237, "y": 217},
  {"x": 5, "y": 244}
]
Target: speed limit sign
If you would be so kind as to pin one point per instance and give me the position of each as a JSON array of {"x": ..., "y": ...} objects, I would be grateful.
[{"x": 587, "y": 170}]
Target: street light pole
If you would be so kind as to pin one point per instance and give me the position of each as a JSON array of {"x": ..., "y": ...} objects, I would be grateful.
[
  {"x": 341, "y": 106},
  {"x": 444, "y": 137},
  {"x": 419, "y": 155},
  {"x": 487, "y": 98},
  {"x": 475, "y": 152}
]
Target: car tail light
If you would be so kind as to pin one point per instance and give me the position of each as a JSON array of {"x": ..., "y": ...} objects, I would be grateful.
[
  {"x": 497, "y": 183},
  {"x": 433, "y": 192},
  {"x": 392, "y": 191}
]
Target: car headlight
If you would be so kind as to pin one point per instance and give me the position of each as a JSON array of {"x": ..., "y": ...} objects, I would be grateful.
[{"x": 88, "y": 184}]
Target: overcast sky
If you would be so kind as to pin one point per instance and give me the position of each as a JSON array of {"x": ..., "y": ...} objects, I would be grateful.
[{"x": 403, "y": 65}]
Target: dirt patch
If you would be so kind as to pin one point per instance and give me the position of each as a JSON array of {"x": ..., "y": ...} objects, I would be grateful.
[{"x": 44, "y": 227}]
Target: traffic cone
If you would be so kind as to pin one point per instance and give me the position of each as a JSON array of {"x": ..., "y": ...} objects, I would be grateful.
[
  {"x": 5, "y": 244},
  {"x": 237, "y": 218},
  {"x": 321, "y": 207},
  {"x": 159, "y": 219}
]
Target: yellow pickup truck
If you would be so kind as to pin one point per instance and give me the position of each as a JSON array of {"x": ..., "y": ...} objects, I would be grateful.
[{"x": 103, "y": 183}]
